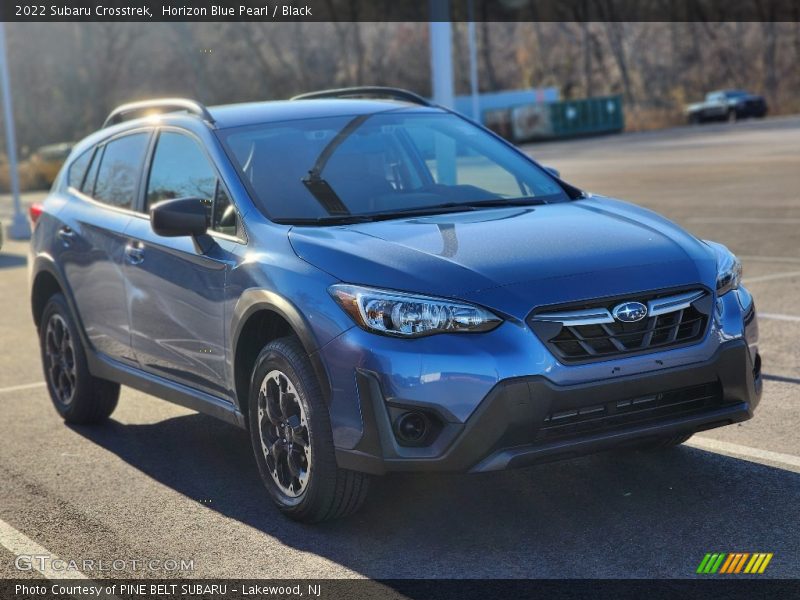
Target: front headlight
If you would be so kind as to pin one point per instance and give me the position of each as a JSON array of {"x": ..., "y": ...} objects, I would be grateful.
[
  {"x": 409, "y": 315},
  {"x": 729, "y": 268}
]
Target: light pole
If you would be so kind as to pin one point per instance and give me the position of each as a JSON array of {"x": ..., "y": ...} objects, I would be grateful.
[
  {"x": 442, "y": 80},
  {"x": 473, "y": 61},
  {"x": 19, "y": 229},
  {"x": 441, "y": 55}
]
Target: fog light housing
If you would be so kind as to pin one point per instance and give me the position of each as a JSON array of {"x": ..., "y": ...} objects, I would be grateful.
[{"x": 411, "y": 427}]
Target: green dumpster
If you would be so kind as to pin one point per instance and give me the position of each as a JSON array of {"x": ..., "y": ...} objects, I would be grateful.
[
  {"x": 554, "y": 120},
  {"x": 586, "y": 117}
]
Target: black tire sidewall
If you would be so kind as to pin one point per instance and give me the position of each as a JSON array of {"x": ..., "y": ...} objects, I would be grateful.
[{"x": 278, "y": 355}]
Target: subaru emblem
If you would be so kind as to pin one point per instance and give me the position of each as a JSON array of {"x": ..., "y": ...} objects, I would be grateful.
[{"x": 629, "y": 312}]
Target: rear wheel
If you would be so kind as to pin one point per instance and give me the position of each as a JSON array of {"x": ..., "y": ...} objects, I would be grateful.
[
  {"x": 291, "y": 435},
  {"x": 78, "y": 396}
]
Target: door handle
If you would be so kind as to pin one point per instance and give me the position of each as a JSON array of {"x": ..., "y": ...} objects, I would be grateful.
[
  {"x": 66, "y": 235},
  {"x": 134, "y": 253}
]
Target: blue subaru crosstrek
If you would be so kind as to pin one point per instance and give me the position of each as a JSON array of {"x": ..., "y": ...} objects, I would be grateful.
[{"x": 370, "y": 283}]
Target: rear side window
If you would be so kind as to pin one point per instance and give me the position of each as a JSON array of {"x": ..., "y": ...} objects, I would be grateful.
[
  {"x": 180, "y": 169},
  {"x": 88, "y": 182},
  {"x": 120, "y": 166},
  {"x": 77, "y": 169}
]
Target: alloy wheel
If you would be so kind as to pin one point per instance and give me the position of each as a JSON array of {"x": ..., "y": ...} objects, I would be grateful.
[
  {"x": 60, "y": 355},
  {"x": 283, "y": 428}
]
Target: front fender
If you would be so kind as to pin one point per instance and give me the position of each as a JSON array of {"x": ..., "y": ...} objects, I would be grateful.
[{"x": 254, "y": 300}]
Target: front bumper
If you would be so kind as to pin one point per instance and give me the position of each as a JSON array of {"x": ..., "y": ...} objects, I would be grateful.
[{"x": 520, "y": 421}]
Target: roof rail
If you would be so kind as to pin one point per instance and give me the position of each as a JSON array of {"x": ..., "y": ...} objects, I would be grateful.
[
  {"x": 367, "y": 91},
  {"x": 161, "y": 105}
]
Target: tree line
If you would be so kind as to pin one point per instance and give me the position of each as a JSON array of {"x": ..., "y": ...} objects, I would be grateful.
[{"x": 66, "y": 77}]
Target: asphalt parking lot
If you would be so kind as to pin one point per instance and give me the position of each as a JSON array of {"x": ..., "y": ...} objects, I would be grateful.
[{"x": 161, "y": 482}]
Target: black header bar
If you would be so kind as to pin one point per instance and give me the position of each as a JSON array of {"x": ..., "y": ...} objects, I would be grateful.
[
  {"x": 269, "y": 11},
  {"x": 744, "y": 588}
]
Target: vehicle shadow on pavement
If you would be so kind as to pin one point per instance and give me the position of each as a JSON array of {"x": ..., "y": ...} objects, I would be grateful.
[{"x": 629, "y": 514}]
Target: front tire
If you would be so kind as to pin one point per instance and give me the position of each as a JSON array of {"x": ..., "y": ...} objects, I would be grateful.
[
  {"x": 291, "y": 435},
  {"x": 78, "y": 396}
]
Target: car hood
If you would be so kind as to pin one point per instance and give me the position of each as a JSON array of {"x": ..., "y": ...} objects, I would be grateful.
[{"x": 515, "y": 258}]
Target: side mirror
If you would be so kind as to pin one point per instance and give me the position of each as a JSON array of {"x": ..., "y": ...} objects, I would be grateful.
[
  {"x": 179, "y": 217},
  {"x": 554, "y": 172}
]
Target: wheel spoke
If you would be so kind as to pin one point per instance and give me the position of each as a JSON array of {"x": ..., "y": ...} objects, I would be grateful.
[
  {"x": 52, "y": 343},
  {"x": 58, "y": 333},
  {"x": 277, "y": 450},
  {"x": 60, "y": 359},
  {"x": 273, "y": 412},
  {"x": 271, "y": 407},
  {"x": 284, "y": 433},
  {"x": 294, "y": 459},
  {"x": 63, "y": 386},
  {"x": 288, "y": 403},
  {"x": 297, "y": 435}
]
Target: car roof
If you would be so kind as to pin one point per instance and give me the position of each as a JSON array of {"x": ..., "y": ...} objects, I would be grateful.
[
  {"x": 252, "y": 113},
  {"x": 729, "y": 91}
]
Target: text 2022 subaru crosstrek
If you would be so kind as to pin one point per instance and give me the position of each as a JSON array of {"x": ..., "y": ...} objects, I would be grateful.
[{"x": 369, "y": 283}]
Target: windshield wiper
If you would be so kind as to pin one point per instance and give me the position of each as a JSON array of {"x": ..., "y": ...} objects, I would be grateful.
[
  {"x": 436, "y": 209},
  {"x": 372, "y": 217},
  {"x": 332, "y": 220},
  {"x": 452, "y": 207},
  {"x": 314, "y": 182}
]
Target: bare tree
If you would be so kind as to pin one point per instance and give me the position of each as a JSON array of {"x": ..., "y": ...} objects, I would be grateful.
[{"x": 67, "y": 76}]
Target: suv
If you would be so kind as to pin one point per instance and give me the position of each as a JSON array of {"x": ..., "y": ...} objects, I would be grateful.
[
  {"x": 370, "y": 283},
  {"x": 727, "y": 105}
]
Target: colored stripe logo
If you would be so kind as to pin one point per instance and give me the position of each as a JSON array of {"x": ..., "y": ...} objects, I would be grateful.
[{"x": 734, "y": 563}]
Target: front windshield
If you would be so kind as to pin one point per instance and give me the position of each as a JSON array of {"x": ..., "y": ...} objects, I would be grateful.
[{"x": 381, "y": 164}]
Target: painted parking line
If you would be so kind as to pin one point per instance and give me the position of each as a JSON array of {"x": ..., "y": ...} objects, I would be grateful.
[
  {"x": 779, "y": 317},
  {"x": 747, "y": 220},
  {"x": 31, "y": 553},
  {"x": 21, "y": 545},
  {"x": 756, "y": 455},
  {"x": 781, "y": 378},
  {"x": 784, "y": 275},
  {"x": 24, "y": 386}
]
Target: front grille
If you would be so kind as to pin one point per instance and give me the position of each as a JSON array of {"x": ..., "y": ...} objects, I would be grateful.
[
  {"x": 631, "y": 411},
  {"x": 589, "y": 331}
]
